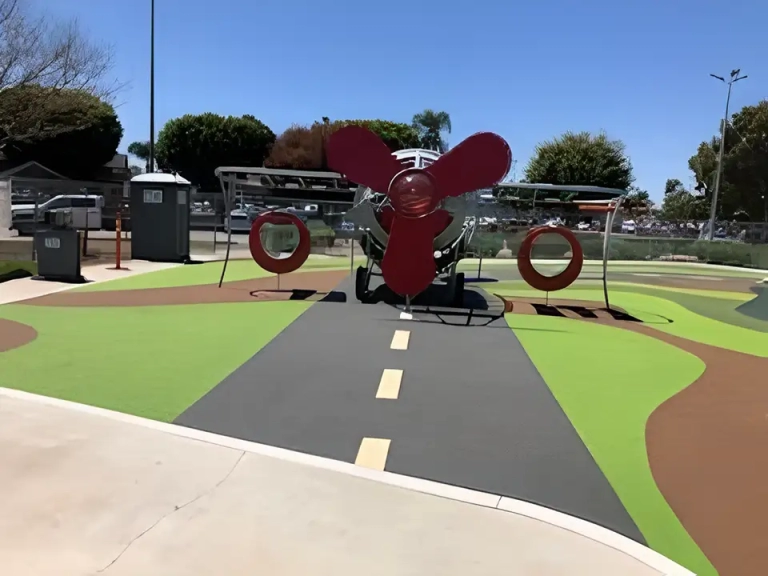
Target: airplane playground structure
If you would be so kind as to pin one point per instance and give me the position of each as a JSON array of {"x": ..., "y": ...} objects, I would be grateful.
[{"x": 411, "y": 215}]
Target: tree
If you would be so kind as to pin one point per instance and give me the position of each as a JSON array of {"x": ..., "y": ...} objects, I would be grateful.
[
  {"x": 298, "y": 148},
  {"x": 746, "y": 164},
  {"x": 39, "y": 52},
  {"x": 303, "y": 147},
  {"x": 744, "y": 179},
  {"x": 581, "y": 159},
  {"x": 431, "y": 125},
  {"x": 637, "y": 202},
  {"x": 680, "y": 204},
  {"x": 673, "y": 185},
  {"x": 73, "y": 133},
  {"x": 396, "y": 135},
  {"x": 141, "y": 151},
  {"x": 195, "y": 145}
]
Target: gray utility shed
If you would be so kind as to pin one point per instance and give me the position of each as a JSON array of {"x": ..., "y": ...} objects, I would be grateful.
[{"x": 160, "y": 217}]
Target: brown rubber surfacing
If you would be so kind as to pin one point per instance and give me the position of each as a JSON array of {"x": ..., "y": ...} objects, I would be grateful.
[
  {"x": 15, "y": 334},
  {"x": 240, "y": 291},
  {"x": 707, "y": 451}
]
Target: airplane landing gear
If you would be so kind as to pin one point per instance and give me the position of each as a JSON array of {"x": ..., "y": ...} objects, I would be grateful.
[
  {"x": 362, "y": 281},
  {"x": 458, "y": 291}
]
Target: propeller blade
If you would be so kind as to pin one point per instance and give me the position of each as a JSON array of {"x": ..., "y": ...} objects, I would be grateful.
[
  {"x": 362, "y": 157},
  {"x": 480, "y": 161},
  {"x": 408, "y": 266}
]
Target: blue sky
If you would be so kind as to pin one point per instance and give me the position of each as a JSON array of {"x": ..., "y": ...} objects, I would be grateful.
[{"x": 637, "y": 69}]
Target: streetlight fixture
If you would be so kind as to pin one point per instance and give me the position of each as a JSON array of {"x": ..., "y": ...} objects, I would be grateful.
[
  {"x": 734, "y": 77},
  {"x": 152, "y": 87}
]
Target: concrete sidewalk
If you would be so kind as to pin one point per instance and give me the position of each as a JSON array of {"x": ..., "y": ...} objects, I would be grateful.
[{"x": 88, "y": 491}]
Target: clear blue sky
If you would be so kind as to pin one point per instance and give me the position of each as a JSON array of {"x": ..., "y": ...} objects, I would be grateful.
[{"x": 637, "y": 69}]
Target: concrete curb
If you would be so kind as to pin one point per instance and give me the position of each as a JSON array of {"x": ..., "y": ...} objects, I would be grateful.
[{"x": 576, "y": 525}]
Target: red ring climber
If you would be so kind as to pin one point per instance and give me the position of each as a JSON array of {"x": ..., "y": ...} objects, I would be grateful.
[
  {"x": 266, "y": 260},
  {"x": 550, "y": 283}
]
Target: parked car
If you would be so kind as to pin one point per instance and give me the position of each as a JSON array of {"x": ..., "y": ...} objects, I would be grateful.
[{"x": 86, "y": 212}]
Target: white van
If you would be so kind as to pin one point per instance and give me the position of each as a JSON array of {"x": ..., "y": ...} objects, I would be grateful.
[{"x": 86, "y": 212}]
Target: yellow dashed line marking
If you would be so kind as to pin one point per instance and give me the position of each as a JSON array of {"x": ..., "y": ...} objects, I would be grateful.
[
  {"x": 389, "y": 385},
  {"x": 400, "y": 340},
  {"x": 373, "y": 453}
]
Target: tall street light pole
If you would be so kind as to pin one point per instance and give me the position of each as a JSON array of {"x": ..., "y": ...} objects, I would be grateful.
[
  {"x": 152, "y": 88},
  {"x": 734, "y": 77}
]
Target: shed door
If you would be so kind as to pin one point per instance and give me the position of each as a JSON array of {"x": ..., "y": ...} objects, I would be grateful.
[{"x": 182, "y": 221}]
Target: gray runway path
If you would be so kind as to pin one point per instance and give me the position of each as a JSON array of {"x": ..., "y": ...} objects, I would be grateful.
[{"x": 472, "y": 411}]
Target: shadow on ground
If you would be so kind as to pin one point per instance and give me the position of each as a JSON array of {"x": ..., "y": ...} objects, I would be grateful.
[{"x": 756, "y": 308}]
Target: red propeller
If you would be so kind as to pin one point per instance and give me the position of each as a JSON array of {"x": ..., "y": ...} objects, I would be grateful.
[{"x": 480, "y": 161}]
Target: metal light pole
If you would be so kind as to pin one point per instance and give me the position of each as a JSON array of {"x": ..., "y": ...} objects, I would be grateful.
[
  {"x": 713, "y": 209},
  {"x": 152, "y": 89}
]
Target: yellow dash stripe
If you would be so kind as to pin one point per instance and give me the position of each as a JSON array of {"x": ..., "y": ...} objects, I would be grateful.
[
  {"x": 389, "y": 385},
  {"x": 373, "y": 453},
  {"x": 400, "y": 340}
]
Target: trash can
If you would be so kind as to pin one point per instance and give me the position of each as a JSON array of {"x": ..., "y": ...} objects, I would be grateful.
[{"x": 58, "y": 249}]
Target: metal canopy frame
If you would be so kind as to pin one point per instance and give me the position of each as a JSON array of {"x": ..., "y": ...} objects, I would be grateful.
[
  {"x": 563, "y": 188},
  {"x": 289, "y": 185},
  {"x": 615, "y": 198},
  {"x": 281, "y": 186}
]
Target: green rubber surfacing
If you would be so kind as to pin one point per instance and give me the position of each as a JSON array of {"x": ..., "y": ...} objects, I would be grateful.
[{"x": 608, "y": 396}]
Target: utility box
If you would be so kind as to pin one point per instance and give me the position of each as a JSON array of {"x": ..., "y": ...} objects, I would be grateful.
[
  {"x": 58, "y": 250},
  {"x": 160, "y": 217}
]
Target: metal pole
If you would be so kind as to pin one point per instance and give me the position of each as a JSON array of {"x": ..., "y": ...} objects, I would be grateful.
[
  {"x": 152, "y": 89},
  {"x": 713, "y": 208},
  {"x": 118, "y": 242},
  {"x": 85, "y": 235}
]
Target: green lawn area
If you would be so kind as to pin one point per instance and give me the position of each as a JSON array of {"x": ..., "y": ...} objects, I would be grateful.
[
  {"x": 152, "y": 362},
  {"x": 599, "y": 375},
  {"x": 650, "y": 308},
  {"x": 7, "y": 266}
]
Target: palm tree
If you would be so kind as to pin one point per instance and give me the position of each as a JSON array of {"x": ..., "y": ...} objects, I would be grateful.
[{"x": 431, "y": 125}]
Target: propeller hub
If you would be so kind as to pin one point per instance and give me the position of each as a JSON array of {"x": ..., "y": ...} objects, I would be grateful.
[{"x": 413, "y": 193}]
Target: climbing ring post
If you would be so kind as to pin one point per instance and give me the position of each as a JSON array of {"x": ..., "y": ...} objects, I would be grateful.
[
  {"x": 550, "y": 283},
  {"x": 264, "y": 258}
]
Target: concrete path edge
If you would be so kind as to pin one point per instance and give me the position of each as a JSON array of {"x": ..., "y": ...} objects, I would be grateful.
[{"x": 576, "y": 525}]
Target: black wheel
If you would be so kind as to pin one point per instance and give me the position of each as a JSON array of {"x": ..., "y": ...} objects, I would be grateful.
[
  {"x": 458, "y": 294},
  {"x": 361, "y": 284}
]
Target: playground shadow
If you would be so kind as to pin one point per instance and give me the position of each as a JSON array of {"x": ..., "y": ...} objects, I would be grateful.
[{"x": 756, "y": 308}]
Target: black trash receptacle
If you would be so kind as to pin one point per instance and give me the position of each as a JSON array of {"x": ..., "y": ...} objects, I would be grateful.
[{"x": 58, "y": 251}]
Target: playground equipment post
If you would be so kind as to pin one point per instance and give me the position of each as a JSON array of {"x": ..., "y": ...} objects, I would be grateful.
[{"x": 118, "y": 245}]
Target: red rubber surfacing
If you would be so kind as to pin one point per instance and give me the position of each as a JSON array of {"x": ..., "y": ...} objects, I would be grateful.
[
  {"x": 549, "y": 283},
  {"x": 266, "y": 260}
]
